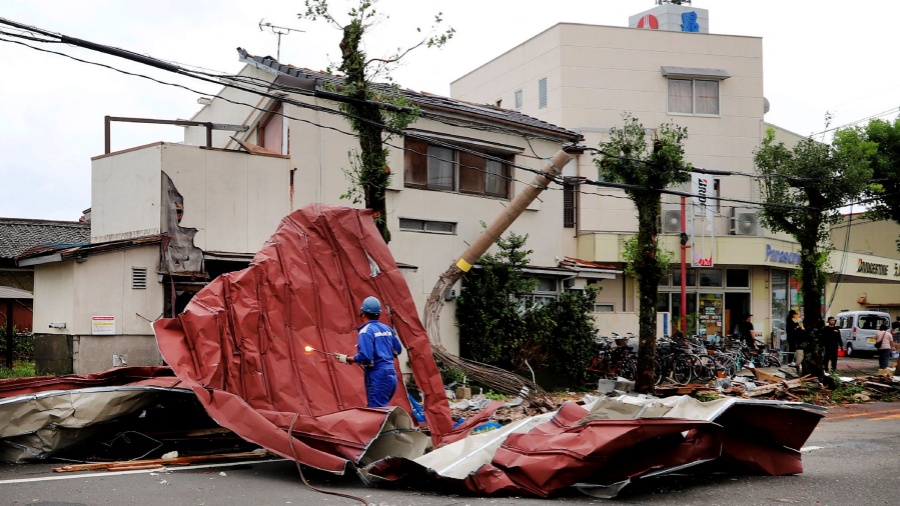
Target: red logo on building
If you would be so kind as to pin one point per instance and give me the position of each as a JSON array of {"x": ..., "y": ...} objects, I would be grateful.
[{"x": 649, "y": 22}]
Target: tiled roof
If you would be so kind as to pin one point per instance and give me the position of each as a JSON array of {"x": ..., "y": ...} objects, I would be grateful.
[
  {"x": 18, "y": 234},
  {"x": 423, "y": 100}
]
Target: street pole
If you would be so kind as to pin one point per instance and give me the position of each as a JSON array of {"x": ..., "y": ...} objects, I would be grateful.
[{"x": 684, "y": 247}]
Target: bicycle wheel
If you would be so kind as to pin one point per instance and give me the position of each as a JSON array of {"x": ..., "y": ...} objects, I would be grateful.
[
  {"x": 707, "y": 370},
  {"x": 628, "y": 368},
  {"x": 727, "y": 365},
  {"x": 772, "y": 360},
  {"x": 683, "y": 369}
]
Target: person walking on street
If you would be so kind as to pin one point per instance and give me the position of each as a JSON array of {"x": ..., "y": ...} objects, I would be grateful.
[
  {"x": 377, "y": 345},
  {"x": 884, "y": 345},
  {"x": 830, "y": 338}
]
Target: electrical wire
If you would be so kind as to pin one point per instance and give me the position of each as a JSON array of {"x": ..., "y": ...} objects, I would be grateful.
[
  {"x": 303, "y": 477},
  {"x": 165, "y": 66}
]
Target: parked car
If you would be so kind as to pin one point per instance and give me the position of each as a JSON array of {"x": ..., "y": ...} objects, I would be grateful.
[{"x": 858, "y": 329}]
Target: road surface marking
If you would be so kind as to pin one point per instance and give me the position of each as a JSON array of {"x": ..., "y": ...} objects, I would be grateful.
[
  {"x": 136, "y": 471},
  {"x": 857, "y": 415}
]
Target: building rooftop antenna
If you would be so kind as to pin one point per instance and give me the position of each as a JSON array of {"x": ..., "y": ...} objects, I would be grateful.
[{"x": 277, "y": 30}]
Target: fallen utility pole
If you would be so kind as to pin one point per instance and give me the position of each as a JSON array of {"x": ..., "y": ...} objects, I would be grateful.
[{"x": 493, "y": 377}]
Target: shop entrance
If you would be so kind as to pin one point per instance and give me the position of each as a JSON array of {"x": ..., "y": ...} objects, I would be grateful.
[{"x": 736, "y": 304}]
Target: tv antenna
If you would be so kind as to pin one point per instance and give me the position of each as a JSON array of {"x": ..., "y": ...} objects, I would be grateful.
[{"x": 277, "y": 30}]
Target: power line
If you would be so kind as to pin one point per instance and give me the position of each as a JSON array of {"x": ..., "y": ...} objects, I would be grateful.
[{"x": 148, "y": 60}]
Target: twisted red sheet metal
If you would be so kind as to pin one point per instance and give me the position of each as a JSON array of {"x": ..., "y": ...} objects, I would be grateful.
[
  {"x": 574, "y": 449},
  {"x": 240, "y": 342}
]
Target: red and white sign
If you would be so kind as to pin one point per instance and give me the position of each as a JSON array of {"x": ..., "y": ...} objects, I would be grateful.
[
  {"x": 103, "y": 325},
  {"x": 648, "y": 22}
]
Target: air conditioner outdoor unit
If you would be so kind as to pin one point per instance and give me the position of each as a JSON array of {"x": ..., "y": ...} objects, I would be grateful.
[
  {"x": 670, "y": 218},
  {"x": 745, "y": 221}
]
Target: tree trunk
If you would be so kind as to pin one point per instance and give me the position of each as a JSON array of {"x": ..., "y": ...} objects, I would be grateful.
[
  {"x": 648, "y": 287},
  {"x": 812, "y": 289}
]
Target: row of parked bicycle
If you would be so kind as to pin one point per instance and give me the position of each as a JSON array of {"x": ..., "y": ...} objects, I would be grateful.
[{"x": 688, "y": 360}]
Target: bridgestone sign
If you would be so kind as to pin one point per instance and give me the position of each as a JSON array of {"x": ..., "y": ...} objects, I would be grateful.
[{"x": 871, "y": 268}]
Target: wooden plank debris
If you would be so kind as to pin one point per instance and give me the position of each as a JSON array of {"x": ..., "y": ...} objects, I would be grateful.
[{"x": 157, "y": 463}]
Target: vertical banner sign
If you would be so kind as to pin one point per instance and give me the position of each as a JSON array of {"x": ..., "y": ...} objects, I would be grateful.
[{"x": 703, "y": 237}]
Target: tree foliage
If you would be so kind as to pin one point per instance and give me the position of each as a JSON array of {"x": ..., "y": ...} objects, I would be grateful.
[
  {"x": 499, "y": 325},
  {"x": 885, "y": 163},
  {"x": 373, "y": 110},
  {"x": 803, "y": 189},
  {"x": 630, "y": 157}
]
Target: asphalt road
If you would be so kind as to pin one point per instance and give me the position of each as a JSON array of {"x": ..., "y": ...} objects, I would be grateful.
[{"x": 848, "y": 449}]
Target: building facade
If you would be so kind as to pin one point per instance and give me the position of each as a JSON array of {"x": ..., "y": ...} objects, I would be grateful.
[{"x": 584, "y": 77}]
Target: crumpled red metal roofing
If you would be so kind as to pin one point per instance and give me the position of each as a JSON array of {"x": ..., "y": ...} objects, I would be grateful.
[
  {"x": 576, "y": 448},
  {"x": 138, "y": 376},
  {"x": 240, "y": 342}
]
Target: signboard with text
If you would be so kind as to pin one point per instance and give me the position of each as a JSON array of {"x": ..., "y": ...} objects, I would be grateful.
[{"x": 103, "y": 325}]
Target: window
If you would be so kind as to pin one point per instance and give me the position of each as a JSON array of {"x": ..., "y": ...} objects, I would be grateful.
[
  {"x": 518, "y": 99},
  {"x": 710, "y": 277},
  {"x": 542, "y": 93},
  {"x": 435, "y": 227},
  {"x": 737, "y": 278},
  {"x": 138, "y": 278},
  {"x": 443, "y": 168},
  {"x": 694, "y": 96},
  {"x": 604, "y": 308},
  {"x": 569, "y": 204}
]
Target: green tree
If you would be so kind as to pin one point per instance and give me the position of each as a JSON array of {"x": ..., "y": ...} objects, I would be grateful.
[
  {"x": 885, "y": 163},
  {"x": 629, "y": 158},
  {"x": 803, "y": 189},
  {"x": 489, "y": 311},
  {"x": 373, "y": 110},
  {"x": 572, "y": 338},
  {"x": 500, "y": 325}
]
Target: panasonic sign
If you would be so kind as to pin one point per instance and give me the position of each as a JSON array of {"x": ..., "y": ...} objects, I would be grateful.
[{"x": 782, "y": 257}]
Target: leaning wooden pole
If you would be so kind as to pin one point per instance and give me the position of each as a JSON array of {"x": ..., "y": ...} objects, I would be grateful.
[{"x": 498, "y": 379}]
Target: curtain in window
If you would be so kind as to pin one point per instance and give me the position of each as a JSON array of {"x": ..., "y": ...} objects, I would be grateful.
[
  {"x": 495, "y": 182},
  {"x": 680, "y": 97},
  {"x": 440, "y": 167},
  {"x": 707, "y": 97}
]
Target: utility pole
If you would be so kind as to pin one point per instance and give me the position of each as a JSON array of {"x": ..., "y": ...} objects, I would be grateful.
[
  {"x": 684, "y": 248},
  {"x": 277, "y": 30}
]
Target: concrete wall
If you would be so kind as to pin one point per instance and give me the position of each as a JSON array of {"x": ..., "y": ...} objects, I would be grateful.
[
  {"x": 125, "y": 194},
  {"x": 233, "y": 198}
]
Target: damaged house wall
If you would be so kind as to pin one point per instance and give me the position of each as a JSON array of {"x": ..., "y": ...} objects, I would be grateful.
[
  {"x": 318, "y": 155},
  {"x": 234, "y": 199}
]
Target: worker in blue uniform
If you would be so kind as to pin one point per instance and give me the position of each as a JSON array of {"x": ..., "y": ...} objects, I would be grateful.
[{"x": 377, "y": 346}]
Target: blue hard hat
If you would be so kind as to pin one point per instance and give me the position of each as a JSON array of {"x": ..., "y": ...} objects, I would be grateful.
[{"x": 371, "y": 305}]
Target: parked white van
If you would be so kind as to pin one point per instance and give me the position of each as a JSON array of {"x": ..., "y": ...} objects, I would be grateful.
[{"x": 858, "y": 329}]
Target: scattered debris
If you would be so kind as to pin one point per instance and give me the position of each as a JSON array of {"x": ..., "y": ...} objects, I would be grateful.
[{"x": 159, "y": 463}]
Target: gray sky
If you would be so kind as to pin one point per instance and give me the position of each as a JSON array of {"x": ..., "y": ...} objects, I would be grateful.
[{"x": 818, "y": 56}]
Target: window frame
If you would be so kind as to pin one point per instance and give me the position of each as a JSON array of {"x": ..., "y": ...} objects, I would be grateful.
[
  {"x": 542, "y": 93},
  {"x": 471, "y": 174},
  {"x": 693, "y": 81},
  {"x": 405, "y": 225},
  {"x": 519, "y": 99}
]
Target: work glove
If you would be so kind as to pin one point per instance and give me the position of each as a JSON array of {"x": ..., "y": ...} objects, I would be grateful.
[{"x": 341, "y": 358}]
